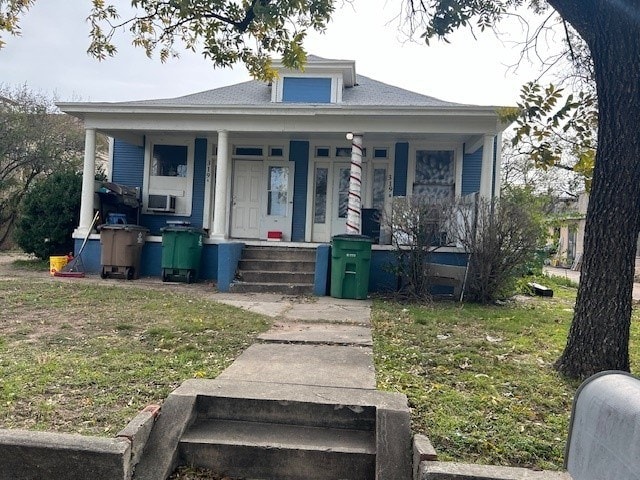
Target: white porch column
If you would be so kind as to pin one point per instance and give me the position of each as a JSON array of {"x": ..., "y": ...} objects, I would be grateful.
[
  {"x": 486, "y": 173},
  {"x": 88, "y": 182},
  {"x": 354, "y": 208},
  {"x": 220, "y": 198}
]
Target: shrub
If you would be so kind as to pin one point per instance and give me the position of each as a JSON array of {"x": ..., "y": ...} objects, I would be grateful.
[
  {"x": 48, "y": 215},
  {"x": 502, "y": 239},
  {"x": 418, "y": 228}
]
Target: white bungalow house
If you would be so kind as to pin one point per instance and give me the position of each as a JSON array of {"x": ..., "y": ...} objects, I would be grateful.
[{"x": 248, "y": 159}]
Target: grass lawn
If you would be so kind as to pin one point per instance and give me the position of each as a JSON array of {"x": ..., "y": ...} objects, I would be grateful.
[
  {"x": 479, "y": 379},
  {"x": 85, "y": 357}
]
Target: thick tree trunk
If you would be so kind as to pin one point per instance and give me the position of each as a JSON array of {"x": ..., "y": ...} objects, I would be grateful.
[{"x": 599, "y": 335}]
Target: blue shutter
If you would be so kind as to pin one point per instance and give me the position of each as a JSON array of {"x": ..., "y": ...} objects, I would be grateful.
[
  {"x": 199, "y": 174},
  {"x": 471, "y": 172},
  {"x": 299, "y": 154},
  {"x": 128, "y": 164},
  {"x": 400, "y": 168}
]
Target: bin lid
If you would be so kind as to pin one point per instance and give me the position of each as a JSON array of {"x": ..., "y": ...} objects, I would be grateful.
[
  {"x": 122, "y": 226},
  {"x": 353, "y": 238},
  {"x": 182, "y": 228}
]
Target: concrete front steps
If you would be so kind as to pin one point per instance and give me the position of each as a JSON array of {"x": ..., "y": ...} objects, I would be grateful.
[
  {"x": 272, "y": 431},
  {"x": 267, "y": 269},
  {"x": 252, "y": 438}
]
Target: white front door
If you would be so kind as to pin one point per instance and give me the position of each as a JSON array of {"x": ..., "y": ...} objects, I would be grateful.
[
  {"x": 277, "y": 209},
  {"x": 245, "y": 202}
]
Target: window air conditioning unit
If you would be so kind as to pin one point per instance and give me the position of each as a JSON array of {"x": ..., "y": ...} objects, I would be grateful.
[{"x": 162, "y": 203}]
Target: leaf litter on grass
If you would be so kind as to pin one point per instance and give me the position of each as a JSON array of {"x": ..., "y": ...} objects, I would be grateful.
[
  {"x": 85, "y": 358},
  {"x": 479, "y": 379}
]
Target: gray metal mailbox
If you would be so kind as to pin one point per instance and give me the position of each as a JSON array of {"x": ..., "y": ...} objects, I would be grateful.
[{"x": 604, "y": 434}]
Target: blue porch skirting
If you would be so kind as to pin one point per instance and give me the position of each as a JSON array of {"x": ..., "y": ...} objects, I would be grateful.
[{"x": 220, "y": 261}]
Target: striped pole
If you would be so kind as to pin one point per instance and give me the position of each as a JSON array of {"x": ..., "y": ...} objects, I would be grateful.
[{"x": 355, "y": 187}]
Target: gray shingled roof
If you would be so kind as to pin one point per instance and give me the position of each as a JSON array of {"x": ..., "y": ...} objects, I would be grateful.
[{"x": 367, "y": 92}]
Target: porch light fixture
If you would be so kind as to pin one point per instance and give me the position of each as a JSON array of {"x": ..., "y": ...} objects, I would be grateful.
[{"x": 349, "y": 136}]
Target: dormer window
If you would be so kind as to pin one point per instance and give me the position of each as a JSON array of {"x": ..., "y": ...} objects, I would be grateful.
[
  {"x": 306, "y": 90},
  {"x": 322, "y": 81}
]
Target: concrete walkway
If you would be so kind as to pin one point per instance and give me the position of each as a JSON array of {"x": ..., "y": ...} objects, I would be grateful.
[
  {"x": 320, "y": 341},
  {"x": 575, "y": 276}
]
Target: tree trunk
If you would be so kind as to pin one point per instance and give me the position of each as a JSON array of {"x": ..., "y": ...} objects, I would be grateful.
[{"x": 599, "y": 335}]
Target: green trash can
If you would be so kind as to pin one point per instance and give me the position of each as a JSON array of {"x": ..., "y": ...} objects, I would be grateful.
[
  {"x": 121, "y": 249},
  {"x": 181, "y": 253},
  {"x": 350, "y": 264}
]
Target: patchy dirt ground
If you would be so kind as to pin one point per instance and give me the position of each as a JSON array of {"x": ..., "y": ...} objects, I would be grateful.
[{"x": 85, "y": 355}]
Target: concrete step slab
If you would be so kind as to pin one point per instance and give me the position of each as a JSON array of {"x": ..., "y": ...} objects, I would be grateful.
[
  {"x": 273, "y": 435},
  {"x": 278, "y": 265},
  {"x": 283, "y": 289},
  {"x": 279, "y": 253},
  {"x": 318, "y": 333},
  {"x": 308, "y": 414},
  {"x": 256, "y": 450},
  {"x": 333, "y": 366},
  {"x": 276, "y": 277},
  {"x": 332, "y": 310}
]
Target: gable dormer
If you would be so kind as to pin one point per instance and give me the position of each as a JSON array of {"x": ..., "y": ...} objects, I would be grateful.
[{"x": 322, "y": 81}]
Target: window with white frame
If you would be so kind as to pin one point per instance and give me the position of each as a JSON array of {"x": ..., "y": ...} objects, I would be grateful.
[
  {"x": 168, "y": 185},
  {"x": 435, "y": 174}
]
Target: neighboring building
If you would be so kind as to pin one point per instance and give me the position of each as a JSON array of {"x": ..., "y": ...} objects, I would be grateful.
[
  {"x": 248, "y": 159},
  {"x": 567, "y": 231}
]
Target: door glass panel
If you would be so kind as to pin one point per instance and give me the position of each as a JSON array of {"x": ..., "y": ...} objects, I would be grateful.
[
  {"x": 320, "y": 202},
  {"x": 343, "y": 192},
  {"x": 277, "y": 191},
  {"x": 379, "y": 187}
]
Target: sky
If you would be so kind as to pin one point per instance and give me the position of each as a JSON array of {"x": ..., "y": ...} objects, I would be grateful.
[{"x": 50, "y": 57}]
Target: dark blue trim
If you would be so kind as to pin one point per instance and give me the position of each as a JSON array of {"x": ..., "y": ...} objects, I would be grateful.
[
  {"x": 228, "y": 257},
  {"x": 199, "y": 177},
  {"x": 321, "y": 278},
  {"x": 299, "y": 154},
  {"x": 495, "y": 167},
  {"x": 306, "y": 90},
  {"x": 471, "y": 172},
  {"x": 400, "y": 169}
]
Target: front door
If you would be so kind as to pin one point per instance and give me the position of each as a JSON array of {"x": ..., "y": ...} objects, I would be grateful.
[
  {"x": 245, "y": 203},
  {"x": 277, "y": 209}
]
